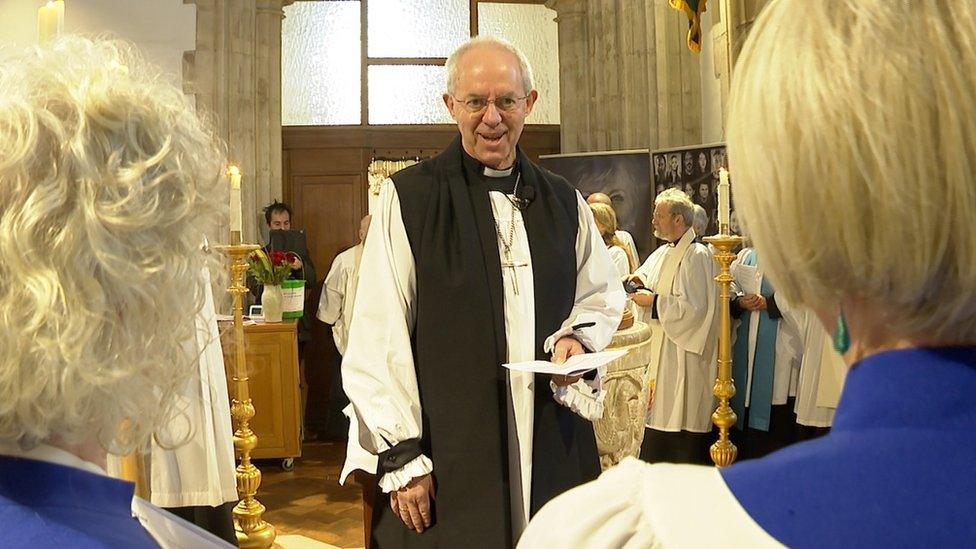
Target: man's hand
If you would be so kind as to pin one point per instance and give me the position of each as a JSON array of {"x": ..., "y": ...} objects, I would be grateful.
[
  {"x": 412, "y": 503},
  {"x": 297, "y": 264},
  {"x": 752, "y": 302},
  {"x": 566, "y": 347},
  {"x": 643, "y": 298}
]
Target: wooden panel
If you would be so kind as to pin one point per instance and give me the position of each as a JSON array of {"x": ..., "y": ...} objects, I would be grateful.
[
  {"x": 336, "y": 161},
  {"x": 329, "y": 208},
  {"x": 272, "y": 362},
  {"x": 263, "y": 360}
]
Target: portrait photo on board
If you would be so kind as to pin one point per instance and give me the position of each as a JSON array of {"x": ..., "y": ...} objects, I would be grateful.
[{"x": 694, "y": 170}]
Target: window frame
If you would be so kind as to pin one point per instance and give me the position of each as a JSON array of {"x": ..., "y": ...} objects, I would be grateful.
[{"x": 366, "y": 61}]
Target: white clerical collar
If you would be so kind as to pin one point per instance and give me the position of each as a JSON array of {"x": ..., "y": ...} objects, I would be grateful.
[
  {"x": 688, "y": 236},
  {"x": 50, "y": 454},
  {"x": 492, "y": 172}
]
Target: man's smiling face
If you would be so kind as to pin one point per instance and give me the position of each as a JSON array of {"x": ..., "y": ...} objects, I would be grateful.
[{"x": 490, "y": 73}]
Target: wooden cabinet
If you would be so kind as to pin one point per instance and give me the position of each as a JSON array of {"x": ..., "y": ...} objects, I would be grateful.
[{"x": 272, "y": 361}]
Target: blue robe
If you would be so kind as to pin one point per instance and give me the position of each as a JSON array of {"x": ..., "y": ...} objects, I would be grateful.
[
  {"x": 895, "y": 470},
  {"x": 48, "y": 505}
]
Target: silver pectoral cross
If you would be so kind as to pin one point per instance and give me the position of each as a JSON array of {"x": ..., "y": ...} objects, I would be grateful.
[{"x": 514, "y": 265}]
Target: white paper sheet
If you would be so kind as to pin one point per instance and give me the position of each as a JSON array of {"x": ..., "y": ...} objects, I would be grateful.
[{"x": 576, "y": 365}]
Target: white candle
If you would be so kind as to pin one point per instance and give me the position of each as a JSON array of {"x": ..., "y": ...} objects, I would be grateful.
[
  {"x": 723, "y": 200},
  {"x": 235, "y": 198},
  {"x": 50, "y": 21}
]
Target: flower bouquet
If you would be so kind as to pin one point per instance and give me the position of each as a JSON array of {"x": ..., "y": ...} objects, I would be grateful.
[{"x": 271, "y": 269}]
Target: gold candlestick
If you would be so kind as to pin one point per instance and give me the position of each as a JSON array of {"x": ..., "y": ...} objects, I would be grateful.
[
  {"x": 252, "y": 530},
  {"x": 723, "y": 452}
]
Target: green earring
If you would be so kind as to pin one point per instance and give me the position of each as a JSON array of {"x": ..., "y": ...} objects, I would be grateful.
[{"x": 842, "y": 337}]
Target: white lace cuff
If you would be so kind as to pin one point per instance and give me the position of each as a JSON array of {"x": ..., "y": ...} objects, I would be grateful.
[
  {"x": 585, "y": 398},
  {"x": 417, "y": 467}
]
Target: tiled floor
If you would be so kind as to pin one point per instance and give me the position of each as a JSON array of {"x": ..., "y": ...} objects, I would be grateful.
[{"x": 308, "y": 500}]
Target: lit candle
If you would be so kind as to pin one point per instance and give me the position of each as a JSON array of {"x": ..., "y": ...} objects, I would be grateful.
[
  {"x": 50, "y": 21},
  {"x": 235, "y": 198},
  {"x": 723, "y": 201}
]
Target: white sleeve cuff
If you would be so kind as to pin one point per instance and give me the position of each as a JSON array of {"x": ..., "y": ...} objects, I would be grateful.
[
  {"x": 356, "y": 456},
  {"x": 585, "y": 398},
  {"x": 550, "y": 342},
  {"x": 417, "y": 467},
  {"x": 578, "y": 328}
]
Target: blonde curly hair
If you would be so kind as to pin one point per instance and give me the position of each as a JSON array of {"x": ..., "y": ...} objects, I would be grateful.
[{"x": 108, "y": 184}]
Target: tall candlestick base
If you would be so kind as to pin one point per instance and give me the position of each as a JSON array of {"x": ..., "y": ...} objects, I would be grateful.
[
  {"x": 252, "y": 530},
  {"x": 723, "y": 452}
]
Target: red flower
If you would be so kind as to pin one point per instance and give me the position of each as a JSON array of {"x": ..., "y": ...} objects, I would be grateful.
[
  {"x": 278, "y": 258},
  {"x": 291, "y": 258}
]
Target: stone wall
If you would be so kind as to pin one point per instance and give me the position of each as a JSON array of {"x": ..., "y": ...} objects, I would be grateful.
[
  {"x": 235, "y": 75},
  {"x": 629, "y": 81}
]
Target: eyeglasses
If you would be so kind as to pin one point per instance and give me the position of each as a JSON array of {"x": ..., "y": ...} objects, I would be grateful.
[{"x": 505, "y": 103}]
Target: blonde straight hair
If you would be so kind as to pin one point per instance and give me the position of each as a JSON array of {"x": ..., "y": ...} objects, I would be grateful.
[
  {"x": 852, "y": 140},
  {"x": 606, "y": 221}
]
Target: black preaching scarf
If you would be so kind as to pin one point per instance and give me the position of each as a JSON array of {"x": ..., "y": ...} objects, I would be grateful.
[{"x": 459, "y": 345}]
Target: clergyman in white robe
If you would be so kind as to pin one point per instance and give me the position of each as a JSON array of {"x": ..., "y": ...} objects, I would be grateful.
[
  {"x": 380, "y": 376},
  {"x": 780, "y": 431},
  {"x": 682, "y": 278}
]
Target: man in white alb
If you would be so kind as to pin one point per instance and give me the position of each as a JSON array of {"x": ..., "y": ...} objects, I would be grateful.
[
  {"x": 477, "y": 257},
  {"x": 680, "y": 301}
]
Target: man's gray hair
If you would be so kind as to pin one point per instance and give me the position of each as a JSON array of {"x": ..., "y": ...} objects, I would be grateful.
[
  {"x": 452, "y": 62},
  {"x": 680, "y": 204},
  {"x": 701, "y": 220}
]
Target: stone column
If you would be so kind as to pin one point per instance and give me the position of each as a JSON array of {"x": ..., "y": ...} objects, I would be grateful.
[
  {"x": 678, "y": 80},
  {"x": 267, "y": 105},
  {"x": 235, "y": 76},
  {"x": 636, "y": 96},
  {"x": 627, "y": 80},
  {"x": 574, "y": 80},
  {"x": 730, "y": 26}
]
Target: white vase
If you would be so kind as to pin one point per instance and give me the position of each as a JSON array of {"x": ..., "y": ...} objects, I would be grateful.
[{"x": 271, "y": 303}]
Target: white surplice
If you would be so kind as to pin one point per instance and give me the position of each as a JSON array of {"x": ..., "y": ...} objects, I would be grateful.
[
  {"x": 202, "y": 471},
  {"x": 378, "y": 369},
  {"x": 628, "y": 242},
  {"x": 620, "y": 261},
  {"x": 339, "y": 295},
  {"x": 817, "y": 355},
  {"x": 686, "y": 367},
  {"x": 637, "y": 505},
  {"x": 651, "y": 270}
]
